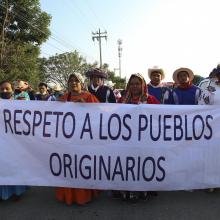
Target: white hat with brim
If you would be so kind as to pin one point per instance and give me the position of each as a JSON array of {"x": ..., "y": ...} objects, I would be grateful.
[
  {"x": 156, "y": 69},
  {"x": 182, "y": 69},
  {"x": 110, "y": 83},
  {"x": 57, "y": 88}
]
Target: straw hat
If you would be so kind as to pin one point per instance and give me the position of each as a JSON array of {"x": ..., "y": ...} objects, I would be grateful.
[
  {"x": 156, "y": 69},
  {"x": 183, "y": 69},
  {"x": 57, "y": 88}
]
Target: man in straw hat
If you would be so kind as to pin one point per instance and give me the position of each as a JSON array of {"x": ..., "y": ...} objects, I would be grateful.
[
  {"x": 103, "y": 93},
  {"x": 156, "y": 88},
  {"x": 57, "y": 91},
  {"x": 185, "y": 93}
]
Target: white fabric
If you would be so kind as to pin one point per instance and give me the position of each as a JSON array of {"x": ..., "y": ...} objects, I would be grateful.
[
  {"x": 93, "y": 157},
  {"x": 210, "y": 94}
]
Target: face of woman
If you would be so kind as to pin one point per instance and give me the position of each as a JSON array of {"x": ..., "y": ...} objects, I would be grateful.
[
  {"x": 135, "y": 86},
  {"x": 183, "y": 77},
  {"x": 155, "y": 78},
  {"x": 74, "y": 85}
]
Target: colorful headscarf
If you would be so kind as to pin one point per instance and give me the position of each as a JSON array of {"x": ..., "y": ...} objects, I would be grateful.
[
  {"x": 80, "y": 78},
  {"x": 20, "y": 85},
  {"x": 144, "y": 92}
]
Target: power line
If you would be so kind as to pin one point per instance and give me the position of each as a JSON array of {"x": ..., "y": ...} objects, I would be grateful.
[
  {"x": 81, "y": 13},
  {"x": 95, "y": 15},
  {"x": 57, "y": 39},
  {"x": 28, "y": 23}
]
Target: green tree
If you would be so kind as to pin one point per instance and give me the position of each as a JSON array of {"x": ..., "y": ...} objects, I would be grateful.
[
  {"x": 23, "y": 28},
  {"x": 197, "y": 79},
  {"x": 56, "y": 69},
  {"x": 120, "y": 83}
]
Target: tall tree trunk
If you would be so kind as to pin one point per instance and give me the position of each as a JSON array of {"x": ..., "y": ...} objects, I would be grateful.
[{"x": 2, "y": 36}]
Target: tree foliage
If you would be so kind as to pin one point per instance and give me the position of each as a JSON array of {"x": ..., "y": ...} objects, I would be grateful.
[
  {"x": 23, "y": 27},
  {"x": 197, "y": 79},
  {"x": 120, "y": 83},
  {"x": 56, "y": 69}
]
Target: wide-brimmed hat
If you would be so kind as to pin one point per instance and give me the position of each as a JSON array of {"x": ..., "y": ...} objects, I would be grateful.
[
  {"x": 183, "y": 69},
  {"x": 96, "y": 73},
  {"x": 57, "y": 88},
  {"x": 110, "y": 83},
  {"x": 156, "y": 69}
]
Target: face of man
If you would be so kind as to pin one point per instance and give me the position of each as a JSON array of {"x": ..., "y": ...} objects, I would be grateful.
[
  {"x": 155, "y": 78},
  {"x": 6, "y": 87},
  {"x": 183, "y": 77},
  {"x": 74, "y": 85},
  {"x": 6, "y": 91},
  {"x": 135, "y": 86},
  {"x": 43, "y": 90},
  {"x": 97, "y": 81}
]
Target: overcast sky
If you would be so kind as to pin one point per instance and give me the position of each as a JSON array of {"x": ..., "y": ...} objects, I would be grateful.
[{"x": 167, "y": 33}]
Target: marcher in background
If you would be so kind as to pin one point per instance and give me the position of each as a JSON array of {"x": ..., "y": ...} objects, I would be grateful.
[
  {"x": 185, "y": 93},
  {"x": 137, "y": 93},
  {"x": 116, "y": 92},
  {"x": 103, "y": 93},
  {"x": 31, "y": 92},
  {"x": 156, "y": 88},
  {"x": 43, "y": 94},
  {"x": 6, "y": 192},
  {"x": 211, "y": 88},
  {"x": 209, "y": 81},
  {"x": 76, "y": 93},
  {"x": 20, "y": 90},
  {"x": 57, "y": 91},
  {"x": 6, "y": 90},
  {"x": 211, "y": 94}
]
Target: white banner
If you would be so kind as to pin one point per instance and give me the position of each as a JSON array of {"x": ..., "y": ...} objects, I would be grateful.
[{"x": 109, "y": 146}]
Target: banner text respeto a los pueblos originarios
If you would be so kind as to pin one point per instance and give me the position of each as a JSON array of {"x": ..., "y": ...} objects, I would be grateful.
[{"x": 109, "y": 146}]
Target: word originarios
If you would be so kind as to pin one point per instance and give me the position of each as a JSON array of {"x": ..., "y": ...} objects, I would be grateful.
[{"x": 108, "y": 168}]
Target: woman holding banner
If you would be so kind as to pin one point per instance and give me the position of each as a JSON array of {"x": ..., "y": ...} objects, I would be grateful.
[
  {"x": 137, "y": 93},
  {"x": 76, "y": 93},
  {"x": 6, "y": 192}
]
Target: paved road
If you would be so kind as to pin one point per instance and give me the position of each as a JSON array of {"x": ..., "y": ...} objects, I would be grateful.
[{"x": 39, "y": 203}]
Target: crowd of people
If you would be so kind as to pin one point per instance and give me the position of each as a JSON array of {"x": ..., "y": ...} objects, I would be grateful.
[{"x": 137, "y": 91}]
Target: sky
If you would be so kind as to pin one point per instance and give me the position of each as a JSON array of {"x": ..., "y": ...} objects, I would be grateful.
[{"x": 165, "y": 33}]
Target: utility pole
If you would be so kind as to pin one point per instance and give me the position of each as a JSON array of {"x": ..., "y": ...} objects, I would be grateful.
[
  {"x": 119, "y": 55},
  {"x": 98, "y": 36}
]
